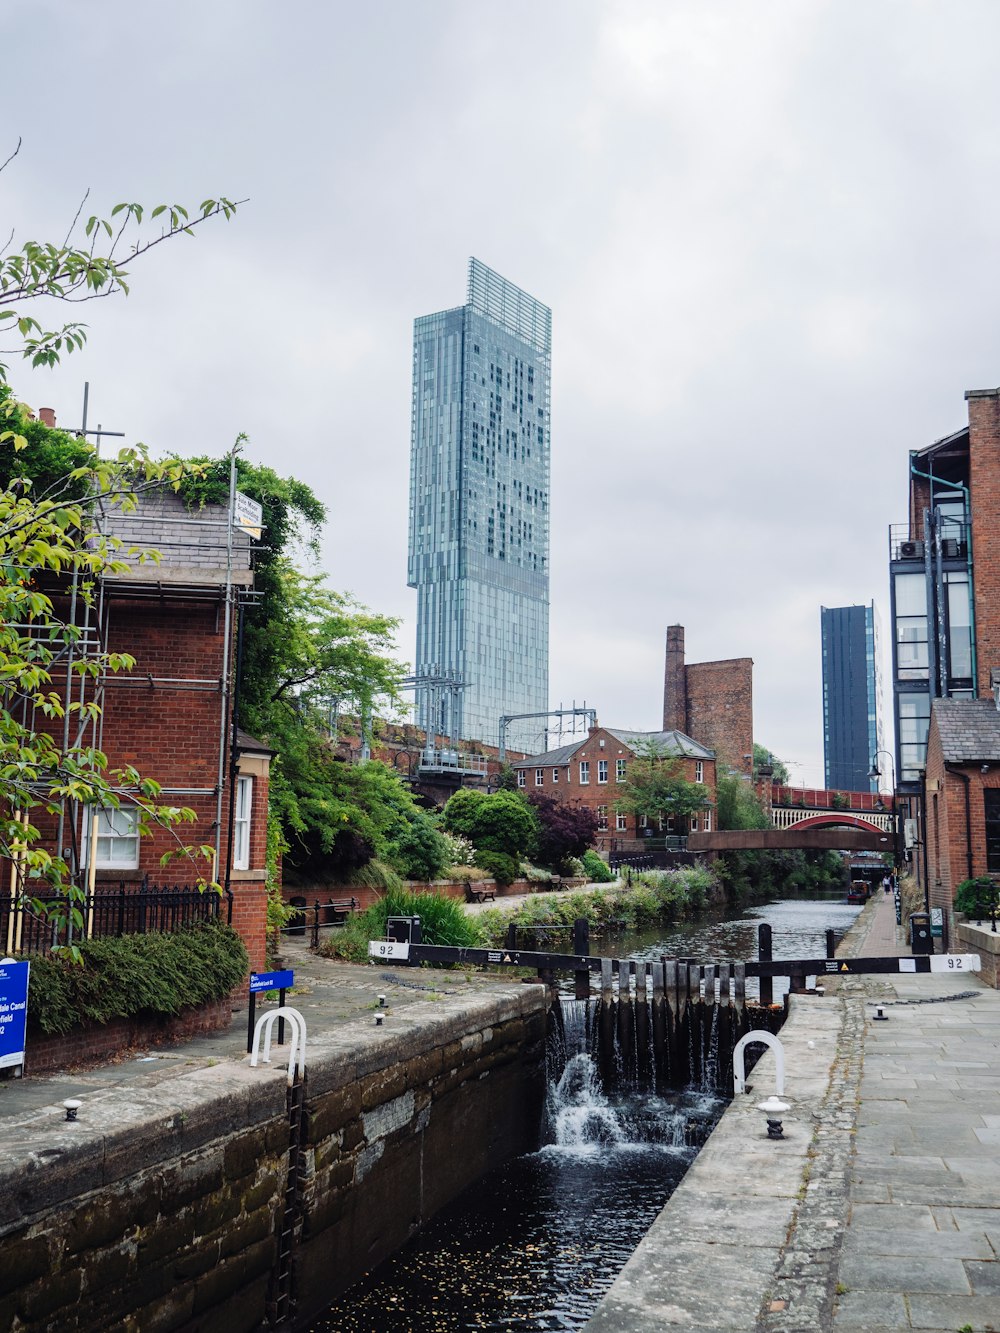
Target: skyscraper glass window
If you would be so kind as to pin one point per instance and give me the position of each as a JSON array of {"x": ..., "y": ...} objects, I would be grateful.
[
  {"x": 852, "y": 696},
  {"x": 479, "y": 509}
]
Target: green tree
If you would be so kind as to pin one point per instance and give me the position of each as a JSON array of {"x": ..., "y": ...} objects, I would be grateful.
[
  {"x": 763, "y": 758},
  {"x": 736, "y": 804},
  {"x": 498, "y": 822},
  {"x": 655, "y": 786}
]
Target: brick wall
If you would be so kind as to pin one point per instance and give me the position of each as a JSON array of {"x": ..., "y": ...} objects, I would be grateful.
[
  {"x": 950, "y": 837},
  {"x": 720, "y": 709},
  {"x": 675, "y": 711},
  {"x": 984, "y": 492}
]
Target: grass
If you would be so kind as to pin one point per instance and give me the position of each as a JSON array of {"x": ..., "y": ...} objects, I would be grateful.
[{"x": 443, "y": 920}]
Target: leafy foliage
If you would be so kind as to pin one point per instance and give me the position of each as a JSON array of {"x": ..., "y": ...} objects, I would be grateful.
[
  {"x": 737, "y": 806},
  {"x": 565, "y": 829},
  {"x": 762, "y": 757},
  {"x": 74, "y": 273},
  {"x": 596, "y": 869},
  {"x": 498, "y": 822},
  {"x": 442, "y": 921},
  {"x": 503, "y": 868},
  {"x": 655, "y": 786},
  {"x": 979, "y": 896},
  {"x": 135, "y": 974}
]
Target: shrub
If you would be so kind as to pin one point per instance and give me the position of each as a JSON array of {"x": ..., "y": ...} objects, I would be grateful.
[
  {"x": 535, "y": 875},
  {"x": 498, "y": 822},
  {"x": 419, "y": 851},
  {"x": 136, "y": 974},
  {"x": 595, "y": 868},
  {"x": 976, "y": 896},
  {"x": 376, "y": 875},
  {"x": 461, "y": 852},
  {"x": 442, "y": 921},
  {"x": 502, "y": 867},
  {"x": 466, "y": 874},
  {"x": 565, "y": 829}
]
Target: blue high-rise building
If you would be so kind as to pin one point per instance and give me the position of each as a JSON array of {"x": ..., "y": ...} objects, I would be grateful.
[
  {"x": 852, "y": 696},
  {"x": 479, "y": 510}
]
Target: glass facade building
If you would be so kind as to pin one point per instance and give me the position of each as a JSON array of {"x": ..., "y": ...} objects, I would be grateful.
[
  {"x": 852, "y": 694},
  {"x": 479, "y": 510}
]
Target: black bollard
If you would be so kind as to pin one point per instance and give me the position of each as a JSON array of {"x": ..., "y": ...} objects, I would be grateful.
[
  {"x": 764, "y": 955},
  {"x": 831, "y": 944}
]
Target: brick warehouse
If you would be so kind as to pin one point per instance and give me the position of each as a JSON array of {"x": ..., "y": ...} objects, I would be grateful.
[
  {"x": 588, "y": 771},
  {"x": 171, "y": 716},
  {"x": 945, "y": 592},
  {"x": 710, "y": 701}
]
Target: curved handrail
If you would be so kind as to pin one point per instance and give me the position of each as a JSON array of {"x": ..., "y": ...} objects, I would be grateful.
[
  {"x": 739, "y": 1060},
  {"x": 297, "y": 1053}
]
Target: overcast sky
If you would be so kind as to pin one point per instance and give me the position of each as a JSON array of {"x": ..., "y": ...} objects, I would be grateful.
[{"x": 767, "y": 230}]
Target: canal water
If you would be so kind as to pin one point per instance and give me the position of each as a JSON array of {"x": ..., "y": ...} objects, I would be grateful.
[{"x": 534, "y": 1245}]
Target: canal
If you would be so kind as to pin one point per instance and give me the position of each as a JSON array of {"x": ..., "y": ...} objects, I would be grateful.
[{"x": 536, "y": 1244}]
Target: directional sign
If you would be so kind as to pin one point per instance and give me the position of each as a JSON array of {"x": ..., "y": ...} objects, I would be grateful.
[
  {"x": 248, "y": 515},
  {"x": 13, "y": 1011},
  {"x": 260, "y": 981}
]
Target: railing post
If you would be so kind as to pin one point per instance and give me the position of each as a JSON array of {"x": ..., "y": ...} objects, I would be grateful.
[
  {"x": 764, "y": 955},
  {"x": 121, "y": 907},
  {"x": 581, "y": 947},
  {"x": 511, "y": 935},
  {"x": 315, "y": 929},
  {"x": 229, "y": 907},
  {"x": 831, "y": 944}
]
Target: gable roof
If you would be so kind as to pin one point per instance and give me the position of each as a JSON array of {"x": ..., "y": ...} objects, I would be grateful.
[
  {"x": 969, "y": 729},
  {"x": 673, "y": 743}
]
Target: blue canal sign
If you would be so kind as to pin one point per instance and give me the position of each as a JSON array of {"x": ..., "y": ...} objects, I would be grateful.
[
  {"x": 271, "y": 981},
  {"x": 13, "y": 1011}
]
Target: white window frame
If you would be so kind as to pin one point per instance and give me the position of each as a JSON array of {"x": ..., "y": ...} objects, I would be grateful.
[
  {"x": 699, "y": 771},
  {"x": 241, "y": 823},
  {"x": 694, "y": 823},
  {"x": 602, "y": 771},
  {"x": 522, "y": 778},
  {"x": 555, "y": 775},
  {"x": 644, "y": 821},
  {"x": 602, "y": 818},
  {"x": 619, "y": 770},
  {"x": 118, "y": 831},
  {"x": 706, "y": 823},
  {"x": 539, "y": 777},
  {"x": 584, "y": 772},
  {"x": 621, "y": 823}
]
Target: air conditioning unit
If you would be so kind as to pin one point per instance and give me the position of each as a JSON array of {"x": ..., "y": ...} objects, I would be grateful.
[
  {"x": 952, "y": 549},
  {"x": 911, "y": 550}
]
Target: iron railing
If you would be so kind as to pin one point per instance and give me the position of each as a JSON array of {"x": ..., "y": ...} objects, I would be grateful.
[
  {"x": 312, "y": 916},
  {"x": 39, "y": 923}
]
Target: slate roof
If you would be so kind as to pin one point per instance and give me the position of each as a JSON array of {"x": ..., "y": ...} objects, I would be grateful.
[
  {"x": 969, "y": 730},
  {"x": 671, "y": 742}
]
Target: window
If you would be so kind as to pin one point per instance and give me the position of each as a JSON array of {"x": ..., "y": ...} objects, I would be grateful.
[
  {"x": 555, "y": 775},
  {"x": 991, "y": 800},
  {"x": 602, "y": 770},
  {"x": 539, "y": 777},
  {"x": 911, "y": 626},
  {"x": 706, "y": 823},
  {"x": 619, "y": 770},
  {"x": 644, "y": 821},
  {"x": 621, "y": 822},
  {"x": 117, "y": 839},
  {"x": 699, "y": 771},
  {"x": 694, "y": 823},
  {"x": 911, "y": 729},
  {"x": 602, "y": 816},
  {"x": 241, "y": 825},
  {"x": 584, "y": 772},
  {"x": 522, "y": 778}
]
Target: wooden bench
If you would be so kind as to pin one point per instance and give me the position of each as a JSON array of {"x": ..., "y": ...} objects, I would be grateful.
[
  {"x": 474, "y": 895},
  {"x": 338, "y": 912}
]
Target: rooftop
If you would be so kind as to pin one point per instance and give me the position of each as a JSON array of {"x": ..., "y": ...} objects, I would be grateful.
[{"x": 969, "y": 729}]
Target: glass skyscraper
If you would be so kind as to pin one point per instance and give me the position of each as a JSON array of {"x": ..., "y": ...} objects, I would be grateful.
[
  {"x": 479, "y": 510},
  {"x": 852, "y": 696}
]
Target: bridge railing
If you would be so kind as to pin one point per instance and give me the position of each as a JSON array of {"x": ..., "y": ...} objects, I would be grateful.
[{"x": 785, "y": 816}]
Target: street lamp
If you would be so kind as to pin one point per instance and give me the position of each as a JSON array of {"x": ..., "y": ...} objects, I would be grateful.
[{"x": 874, "y": 776}]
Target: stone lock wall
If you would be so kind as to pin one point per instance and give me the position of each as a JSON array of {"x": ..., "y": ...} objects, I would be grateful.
[{"x": 158, "y": 1208}]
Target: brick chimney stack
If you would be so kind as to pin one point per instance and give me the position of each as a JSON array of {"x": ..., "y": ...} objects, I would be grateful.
[
  {"x": 675, "y": 682},
  {"x": 47, "y": 416}
]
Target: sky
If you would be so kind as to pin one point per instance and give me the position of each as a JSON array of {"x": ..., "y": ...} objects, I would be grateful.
[{"x": 767, "y": 232}]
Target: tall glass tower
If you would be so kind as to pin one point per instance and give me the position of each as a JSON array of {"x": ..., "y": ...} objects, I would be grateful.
[
  {"x": 852, "y": 695},
  {"x": 479, "y": 509}
]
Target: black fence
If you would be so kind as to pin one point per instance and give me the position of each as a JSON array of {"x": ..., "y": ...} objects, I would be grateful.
[
  {"x": 37, "y": 924},
  {"x": 310, "y": 917}
]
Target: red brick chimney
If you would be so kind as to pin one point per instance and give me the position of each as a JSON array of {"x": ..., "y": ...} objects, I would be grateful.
[
  {"x": 675, "y": 682},
  {"x": 47, "y": 416}
]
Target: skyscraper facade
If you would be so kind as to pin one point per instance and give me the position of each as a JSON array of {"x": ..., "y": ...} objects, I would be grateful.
[
  {"x": 852, "y": 693},
  {"x": 479, "y": 510}
]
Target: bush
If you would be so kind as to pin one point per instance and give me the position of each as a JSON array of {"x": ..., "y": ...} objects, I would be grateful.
[
  {"x": 975, "y": 897},
  {"x": 419, "y": 851},
  {"x": 502, "y": 867},
  {"x": 442, "y": 921},
  {"x": 596, "y": 869},
  {"x": 375, "y": 875},
  {"x": 135, "y": 974},
  {"x": 498, "y": 822},
  {"x": 466, "y": 874},
  {"x": 461, "y": 852}
]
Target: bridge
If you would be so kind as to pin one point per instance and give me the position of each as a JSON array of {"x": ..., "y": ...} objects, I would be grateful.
[{"x": 813, "y": 820}]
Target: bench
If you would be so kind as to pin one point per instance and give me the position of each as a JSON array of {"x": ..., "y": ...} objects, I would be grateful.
[
  {"x": 338, "y": 912},
  {"x": 474, "y": 895}
]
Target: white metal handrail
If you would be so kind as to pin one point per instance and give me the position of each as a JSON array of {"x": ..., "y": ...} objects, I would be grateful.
[
  {"x": 739, "y": 1060},
  {"x": 297, "y": 1053}
]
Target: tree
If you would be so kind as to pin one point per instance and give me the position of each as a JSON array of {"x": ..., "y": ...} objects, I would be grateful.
[
  {"x": 565, "y": 829},
  {"x": 736, "y": 804},
  {"x": 655, "y": 786},
  {"x": 500, "y": 822},
  {"x": 763, "y": 758},
  {"x": 72, "y": 274}
]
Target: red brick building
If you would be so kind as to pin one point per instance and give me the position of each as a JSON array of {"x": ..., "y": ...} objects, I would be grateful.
[
  {"x": 712, "y": 701},
  {"x": 592, "y": 771},
  {"x": 171, "y": 716}
]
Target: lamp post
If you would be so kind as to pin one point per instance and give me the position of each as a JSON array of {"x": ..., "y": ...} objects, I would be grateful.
[{"x": 874, "y": 775}]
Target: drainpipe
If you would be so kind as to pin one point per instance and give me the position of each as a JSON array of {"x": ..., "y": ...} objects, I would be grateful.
[{"x": 960, "y": 486}]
